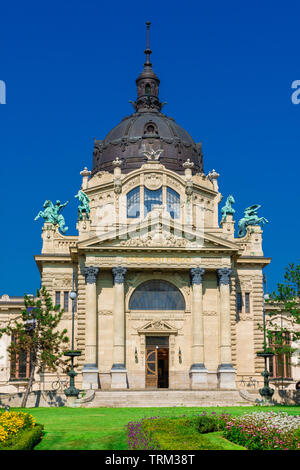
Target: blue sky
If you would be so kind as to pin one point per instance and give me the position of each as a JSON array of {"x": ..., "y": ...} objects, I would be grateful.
[{"x": 226, "y": 70}]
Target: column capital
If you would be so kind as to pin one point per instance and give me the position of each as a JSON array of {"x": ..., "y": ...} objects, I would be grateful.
[
  {"x": 119, "y": 274},
  {"x": 224, "y": 275},
  {"x": 90, "y": 273},
  {"x": 197, "y": 275}
]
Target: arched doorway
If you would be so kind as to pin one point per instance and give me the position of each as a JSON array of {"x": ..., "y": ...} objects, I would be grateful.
[{"x": 157, "y": 295}]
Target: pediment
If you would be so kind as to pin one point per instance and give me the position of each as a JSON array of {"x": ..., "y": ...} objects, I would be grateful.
[
  {"x": 159, "y": 234},
  {"x": 158, "y": 327}
]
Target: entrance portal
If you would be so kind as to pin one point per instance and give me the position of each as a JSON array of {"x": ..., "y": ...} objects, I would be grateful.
[{"x": 157, "y": 361}]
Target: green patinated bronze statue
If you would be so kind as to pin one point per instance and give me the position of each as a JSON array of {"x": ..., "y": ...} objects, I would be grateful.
[
  {"x": 250, "y": 218},
  {"x": 52, "y": 215},
  {"x": 228, "y": 209},
  {"x": 84, "y": 207}
]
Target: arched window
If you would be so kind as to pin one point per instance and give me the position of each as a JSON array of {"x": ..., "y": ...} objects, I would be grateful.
[
  {"x": 152, "y": 198},
  {"x": 156, "y": 295},
  {"x": 133, "y": 203},
  {"x": 173, "y": 203},
  {"x": 148, "y": 89}
]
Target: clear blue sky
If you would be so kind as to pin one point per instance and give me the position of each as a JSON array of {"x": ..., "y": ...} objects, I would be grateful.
[{"x": 226, "y": 70}]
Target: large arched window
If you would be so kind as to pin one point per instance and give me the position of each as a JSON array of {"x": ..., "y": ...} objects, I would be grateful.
[
  {"x": 133, "y": 203},
  {"x": 156, "y": 295},
  {"x": 173, "y": 203},
  {"x": 152, "y": 198}
]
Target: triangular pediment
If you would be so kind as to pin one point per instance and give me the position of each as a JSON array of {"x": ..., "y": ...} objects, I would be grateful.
[
  {"x": 157, "y": 327},
  {"x": 158, "y": 233}
]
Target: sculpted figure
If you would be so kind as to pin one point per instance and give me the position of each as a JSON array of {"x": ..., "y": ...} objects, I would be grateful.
[
  {"x": 228, "y": 209},
  {"x": 51, "y": 214},
  {"x": 250, "y": 218},
  {"x": 84, "y": 206}
]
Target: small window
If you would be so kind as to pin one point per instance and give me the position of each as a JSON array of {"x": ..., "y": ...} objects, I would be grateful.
[
  {"x": 239, "y": 302},
  {"x": 280, "y": 363},
  {"x": 57, "y": 298},
  {"x": 133, "y": 203},
  {"x": 148, "y": 89},
  {"x": 150, "y": 128},
  {"x": 247, "y": 302},
  {"x": 66, "y": 301},
  {"x": 20, "y": 365}
]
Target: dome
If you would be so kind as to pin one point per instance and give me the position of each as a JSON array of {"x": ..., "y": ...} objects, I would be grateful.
[
  {"x": 128, "y": 140},
  {"x": 147, "y": 128}
]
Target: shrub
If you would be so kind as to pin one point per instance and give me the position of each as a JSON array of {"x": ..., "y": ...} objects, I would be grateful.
[
  {"x": 207, "y": 424},
  {"x": 12, "y": 422},
  {"x": 26, "y": 439}
]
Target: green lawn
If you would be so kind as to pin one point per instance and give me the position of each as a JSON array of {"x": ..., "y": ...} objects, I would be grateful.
[{"x": 104, "y": 428}]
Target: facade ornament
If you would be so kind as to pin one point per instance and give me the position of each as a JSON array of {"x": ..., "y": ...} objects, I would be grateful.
[
  {"x": 188, "y": 190},
  {"x": 117, "y": 162},
  {"x": 228, "y": 209},
  {"x": 197, "y": 275},
  {"x": 224, "y": 275},
  {"x": 90, "y": 273},
  {"x": 213, "y": 175},
  {"x": 119, "y": 274},
  {"x": 250, "y": 218},
  {"x": 84, "y": 207},
  {"x": 85, "y": 173},
  {"x": 151, "y": 154},
  {"x": 118, "y": 186},
  {"x": 51, "y": 214}
]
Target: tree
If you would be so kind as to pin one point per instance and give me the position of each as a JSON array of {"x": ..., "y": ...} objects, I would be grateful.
[
  {"x": 286, "y": 299},
  {"x": 35, "y": 332}
]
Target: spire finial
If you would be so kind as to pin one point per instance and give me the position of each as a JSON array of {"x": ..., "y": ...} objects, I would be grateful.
[{"x": 148, "y": 50}]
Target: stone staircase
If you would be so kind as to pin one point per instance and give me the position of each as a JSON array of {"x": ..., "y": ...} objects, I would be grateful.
[{"x": 164, "y": 398}]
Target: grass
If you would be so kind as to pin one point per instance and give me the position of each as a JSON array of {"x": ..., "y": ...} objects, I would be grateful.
[{"x": 104, "y": 428}]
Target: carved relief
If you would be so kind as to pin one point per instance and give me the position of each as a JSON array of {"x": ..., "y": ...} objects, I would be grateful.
[{"x": 153, "y": 181}]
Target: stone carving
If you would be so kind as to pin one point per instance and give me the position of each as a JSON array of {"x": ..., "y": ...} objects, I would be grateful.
[
  {"x": 153, "y": 181},
  {"x": 250, "y": 218},
  {"x": 117, "y": 186},
  {"x": 105, "y": 312},
  {"x": 119, "y": 274},
  {"x": 224, "y": 275},
  {"x": 228, "y": 209},
  {"x": 84, "y": 206},
  {"x": 210, "y": 313},
  {"x": 52, "y": 215},
  {"x": 197, "y": 275},
  {"x": 151, "y": 154},
  {"x": 149, "y": 240},
  {"x": 90, "y": 273}
]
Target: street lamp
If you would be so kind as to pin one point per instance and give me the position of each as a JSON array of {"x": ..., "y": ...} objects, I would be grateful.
[
  {"x": 266, "y": 392},
  {"x": 72, "y": 391}
]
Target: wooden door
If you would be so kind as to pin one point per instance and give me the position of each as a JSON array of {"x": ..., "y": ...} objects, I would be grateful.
[{"x": 151, "y": 368}]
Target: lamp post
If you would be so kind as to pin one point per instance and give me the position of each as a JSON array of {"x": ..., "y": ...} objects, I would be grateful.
[
  {"x": 266, "y": 392},
  {"x": 72, "y": 391}
]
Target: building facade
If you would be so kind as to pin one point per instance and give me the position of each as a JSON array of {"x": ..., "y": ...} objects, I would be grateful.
[{"x": 168, "y": 294}]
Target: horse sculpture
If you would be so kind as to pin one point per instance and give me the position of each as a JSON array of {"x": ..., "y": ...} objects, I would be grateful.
[
  {"x": 250, "y": 218},
  {"x": 228, "y": 209},
  {"x": 84, "y": 207},
  {"x": 52, "y": 215}
]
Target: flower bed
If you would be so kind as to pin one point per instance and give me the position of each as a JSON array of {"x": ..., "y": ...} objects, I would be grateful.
[
  {"x": 18, "y": 429},
  {"x": 264, "y": 431},
  {"x": 174, "y": 434}
]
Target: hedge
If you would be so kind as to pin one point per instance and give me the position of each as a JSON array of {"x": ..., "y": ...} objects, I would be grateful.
[{"x": 26, "y": 439}]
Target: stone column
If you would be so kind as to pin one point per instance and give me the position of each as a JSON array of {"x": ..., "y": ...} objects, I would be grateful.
[
  {"x": 226, "y": 373},
  {"x": 198, "y": 371},
  {"x": 118, "y": 370},
  {"x": 90, "y": 370}
]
